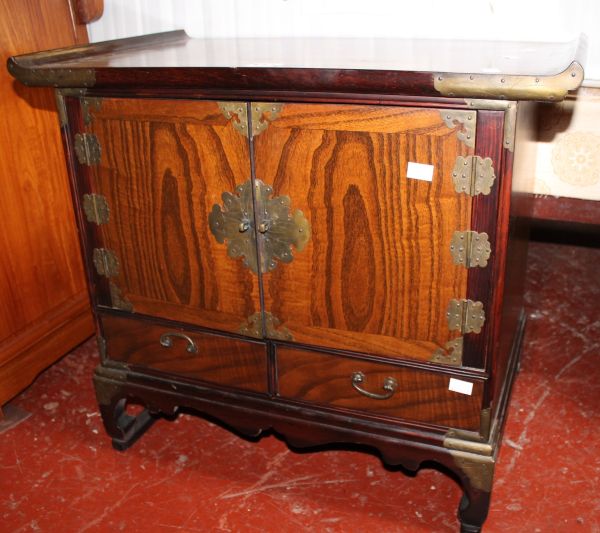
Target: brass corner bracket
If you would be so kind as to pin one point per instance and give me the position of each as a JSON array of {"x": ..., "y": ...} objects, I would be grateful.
[
  {"x": 465, "y": 120},
  {"x": 478, "y": 469},
  {"x": 261, "y": 113},
  {"x": 473, "y": 452},
  {"x": 509, "y": 87},
  {"x": 451, "y": 355},
  {"x": 253, "y": 327},
  {"x": 88, "y": 106}
]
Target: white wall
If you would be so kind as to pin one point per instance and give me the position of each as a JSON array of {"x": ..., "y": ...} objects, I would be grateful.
[
  {"x": 567, "y": 165},
  {"x": 530, "y": 20}
]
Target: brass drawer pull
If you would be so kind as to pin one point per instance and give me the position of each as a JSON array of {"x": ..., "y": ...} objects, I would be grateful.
[
  {"x": 166, "y": 340},
  {"x": 389, "y": 386}
]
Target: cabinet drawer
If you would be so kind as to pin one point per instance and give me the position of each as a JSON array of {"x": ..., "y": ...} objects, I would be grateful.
[
  {"x": 202, "y": 356},
  {"x": 418, "y": 395}
]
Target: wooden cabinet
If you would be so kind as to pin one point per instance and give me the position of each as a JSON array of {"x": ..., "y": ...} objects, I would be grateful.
[
  {"x": 335, "y": 254},
  {"x": 44, "y": 302}
]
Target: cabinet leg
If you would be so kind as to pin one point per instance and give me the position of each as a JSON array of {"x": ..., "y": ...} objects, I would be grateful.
[
  {"x": 477, "y": 474},
  {"x": 123, "y": 428},
  {"x": 473, "y": 510}
]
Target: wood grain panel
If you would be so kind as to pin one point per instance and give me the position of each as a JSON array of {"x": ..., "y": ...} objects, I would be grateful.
[
  {"x": 377, "y": 275},
  {"x": 420, "y": 396},
  {"x": 43, "y": 300},
  {"x": 221, "y": 360},
  {"x": 164, "y": 165}
]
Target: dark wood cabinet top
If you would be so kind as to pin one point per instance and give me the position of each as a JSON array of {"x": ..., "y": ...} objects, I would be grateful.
[{"x": 416, "y": 67}]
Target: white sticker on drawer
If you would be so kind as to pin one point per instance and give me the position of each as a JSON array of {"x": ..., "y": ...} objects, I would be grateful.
[
  {"x": 419, "y": 171},
  {"x": 463, "y": 387}
]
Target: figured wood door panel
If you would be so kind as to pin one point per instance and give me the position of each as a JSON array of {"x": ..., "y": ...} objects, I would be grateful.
[
  {"x": 377, "y": 274},
  {"x": 164, "y": 164}
]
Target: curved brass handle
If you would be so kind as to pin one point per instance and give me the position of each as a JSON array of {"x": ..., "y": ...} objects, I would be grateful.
[
  {"x": 389, "y": 386},
  {"x": 166, "y": 340}
]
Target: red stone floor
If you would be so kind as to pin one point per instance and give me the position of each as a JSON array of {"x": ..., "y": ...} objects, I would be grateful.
[{"x": 58, "y": 471}]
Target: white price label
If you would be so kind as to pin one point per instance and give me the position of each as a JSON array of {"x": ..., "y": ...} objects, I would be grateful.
[
  {"x": 460, "y": 386},
  {"x": 419, "y": 171}
]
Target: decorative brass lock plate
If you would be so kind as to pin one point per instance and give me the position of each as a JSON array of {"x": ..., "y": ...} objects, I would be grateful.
[
  {"x": 234, "y": 222},
  {"x": 473, "y": 175},
  {"x": 278, "y": 229}
]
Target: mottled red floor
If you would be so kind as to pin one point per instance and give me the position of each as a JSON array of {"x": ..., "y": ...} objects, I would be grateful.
[{"x": 58, "y": 471}]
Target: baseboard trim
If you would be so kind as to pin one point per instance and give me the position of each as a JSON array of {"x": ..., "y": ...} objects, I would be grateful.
[{"x": 31, "y": 350}]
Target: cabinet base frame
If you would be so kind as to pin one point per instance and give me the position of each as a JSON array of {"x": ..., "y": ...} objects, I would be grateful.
[{"x": 253, "y": 415}]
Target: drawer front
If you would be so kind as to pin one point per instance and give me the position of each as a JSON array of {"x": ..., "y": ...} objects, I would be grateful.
[
  {"x": 418, "y": 395},
  {"x": 202, "y": 356}
]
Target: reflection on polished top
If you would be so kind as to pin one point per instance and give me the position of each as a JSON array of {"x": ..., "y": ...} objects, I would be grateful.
[
  {"x": 480, "y": 57},
  {"x": 419, "y": 67}
]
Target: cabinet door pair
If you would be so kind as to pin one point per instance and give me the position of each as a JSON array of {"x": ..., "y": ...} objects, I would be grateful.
[{"x": 320, "y": 229}]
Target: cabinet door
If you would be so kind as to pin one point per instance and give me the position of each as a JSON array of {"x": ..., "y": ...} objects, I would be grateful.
[
  {"x": 162, "y": 166},
  {"x": 377, "y": 274}
]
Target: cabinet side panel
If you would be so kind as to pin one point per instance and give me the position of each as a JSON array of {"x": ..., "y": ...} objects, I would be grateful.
[{"x": 516, "y": 254}]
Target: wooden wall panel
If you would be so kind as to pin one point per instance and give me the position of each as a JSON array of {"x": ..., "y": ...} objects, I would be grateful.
[{"x": 44, "y": 308}]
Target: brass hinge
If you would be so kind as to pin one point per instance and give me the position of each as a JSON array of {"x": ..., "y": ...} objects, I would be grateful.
[
  {"x": 96, "y": 208},
  {"x": 106, "y": 262},
  {"x": 465, "y": 316},
  {"x": 261, "y": 113},
  {"x": 87, "y": 148},
  {"x": 473, "y": 175},
  {"x": 470, "y": 249}
]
